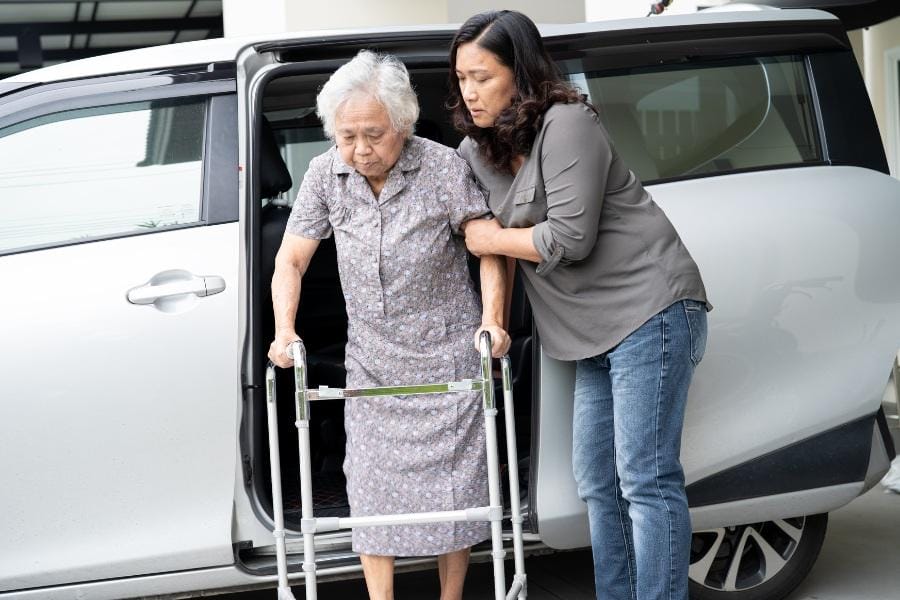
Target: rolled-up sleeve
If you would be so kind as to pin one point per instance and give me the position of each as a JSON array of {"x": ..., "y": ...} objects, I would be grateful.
[
  {"x": 463, "y": 197},
  {"x": 575, "y": 158},
  {"x": 309, "y": 215}
]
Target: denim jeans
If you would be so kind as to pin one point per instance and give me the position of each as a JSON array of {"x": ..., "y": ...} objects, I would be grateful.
[{"x": 628, "y": 416}]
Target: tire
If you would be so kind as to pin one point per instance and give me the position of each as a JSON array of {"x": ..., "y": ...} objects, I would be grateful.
[{"x": 773, "y": 557}]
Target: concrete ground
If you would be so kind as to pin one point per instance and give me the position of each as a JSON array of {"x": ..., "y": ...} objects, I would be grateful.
[
  {"x": 860, "y": 560},
  {"x": 861, "y": 556}
]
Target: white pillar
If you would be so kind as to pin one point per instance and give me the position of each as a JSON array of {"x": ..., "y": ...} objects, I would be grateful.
[
  {"x": 246, "y": 17},
  {"x": 540, "y": 11},
  {"x": 340, "y": 14}
]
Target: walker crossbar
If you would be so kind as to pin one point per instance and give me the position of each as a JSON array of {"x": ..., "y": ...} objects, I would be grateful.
[
  {"x": 329, "y": 393},
  {"x": 480, "y": 513},
  {"x": 311, "y": 525}
]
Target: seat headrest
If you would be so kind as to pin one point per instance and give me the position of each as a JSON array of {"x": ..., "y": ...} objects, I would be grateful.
[{"x": 274, "y": 177}]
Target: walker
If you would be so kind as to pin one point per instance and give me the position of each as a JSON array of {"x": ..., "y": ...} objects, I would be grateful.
[{"x": 310, "y": 525}]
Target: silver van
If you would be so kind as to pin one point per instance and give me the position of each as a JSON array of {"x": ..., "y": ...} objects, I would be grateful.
[{"x": 144, "y": 195}]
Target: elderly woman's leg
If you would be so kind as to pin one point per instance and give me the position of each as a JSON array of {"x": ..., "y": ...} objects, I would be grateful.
[
  {"x": 379, "y": 572},
  {"x": 452, "y": 572}
]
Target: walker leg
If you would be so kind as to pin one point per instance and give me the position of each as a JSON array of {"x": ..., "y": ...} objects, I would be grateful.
[
  {"x": 301, "y": 407},
  {"x": 512, "y": 457},
  {"x": 496, "y": 501},
  {"x": 284, "y": 590},
  {"x": 492, "y": 513}
]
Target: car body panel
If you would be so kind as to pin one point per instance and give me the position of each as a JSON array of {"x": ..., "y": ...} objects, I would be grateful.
[
  {"x": 162, "y": 585},
  {"x": 806, "y": 323},
  {"x": 110, "y": 409},
  {"x": 798, "y": 265},
  {"x": 758, "y": 510},
  {"x": 853, "y": 13}
]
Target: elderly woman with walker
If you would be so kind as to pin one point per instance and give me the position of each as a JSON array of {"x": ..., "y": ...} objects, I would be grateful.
[{"x": 398, "y": 205}]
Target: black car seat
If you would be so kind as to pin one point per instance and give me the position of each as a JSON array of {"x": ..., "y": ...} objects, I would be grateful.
[{"x": 322, "y": 323}]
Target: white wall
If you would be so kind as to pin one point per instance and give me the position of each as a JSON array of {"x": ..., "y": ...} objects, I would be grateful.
[
  {"x": 540, "y": 11},
  {"x": 881, "y": 49},
  {"x": 335, "y": 14},
  {"x": 259, "y": 16},
  {"x": 599, "y": 10},
  {"x": 245, "y": 17}
]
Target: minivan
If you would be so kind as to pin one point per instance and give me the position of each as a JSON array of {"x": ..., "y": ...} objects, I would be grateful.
[{"x": 145, "y": 193}]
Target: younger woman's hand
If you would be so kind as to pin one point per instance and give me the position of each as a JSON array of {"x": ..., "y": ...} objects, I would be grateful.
[{"x": 480, "y": 234}]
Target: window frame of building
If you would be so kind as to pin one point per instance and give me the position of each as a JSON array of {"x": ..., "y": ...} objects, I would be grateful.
[{"x": 892, "y": 103}]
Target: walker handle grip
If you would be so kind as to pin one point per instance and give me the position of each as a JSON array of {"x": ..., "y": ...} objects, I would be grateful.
[
  {"x": 485, "y": 345},
  {"x": 296, "y": 344}
]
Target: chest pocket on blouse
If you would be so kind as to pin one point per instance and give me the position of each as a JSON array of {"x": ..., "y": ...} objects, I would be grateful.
[
  {"x": 341, "y": 217},
  {"x": 525, "y": 196},
  {"x": 529, "y": 207}
]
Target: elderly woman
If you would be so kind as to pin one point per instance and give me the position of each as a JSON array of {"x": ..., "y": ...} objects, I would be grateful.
[{"x": 398, "y": 205}]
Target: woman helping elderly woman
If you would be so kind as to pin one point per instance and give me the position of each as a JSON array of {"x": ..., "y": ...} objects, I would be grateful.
[
  {"x": 397, "y": 206},
  {"x": 610, "y": 282}
]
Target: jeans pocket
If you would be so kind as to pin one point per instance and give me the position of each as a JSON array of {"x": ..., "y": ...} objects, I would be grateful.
[{"x": 695, "y": 314}]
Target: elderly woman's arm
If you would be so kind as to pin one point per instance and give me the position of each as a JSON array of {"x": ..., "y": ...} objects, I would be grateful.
[
  {"x": 493, "y": 300},
  {"x": 291, "y": 263}
]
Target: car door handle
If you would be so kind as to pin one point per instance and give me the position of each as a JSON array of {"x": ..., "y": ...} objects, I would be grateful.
[{"x": 175, "y": 283}]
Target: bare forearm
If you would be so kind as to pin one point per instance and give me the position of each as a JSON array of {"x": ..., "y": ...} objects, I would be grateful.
[
  {"x": 516, "y": 243},
  {"x": 285, "y": 296},
  {"x": 493, "y": 289}
]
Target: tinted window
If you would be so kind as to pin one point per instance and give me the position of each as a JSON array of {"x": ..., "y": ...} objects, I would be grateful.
[
  {"x": 683, "y": 121},
  {"x": 99, "y": 172},
  {"x": 299, "y": 146}
]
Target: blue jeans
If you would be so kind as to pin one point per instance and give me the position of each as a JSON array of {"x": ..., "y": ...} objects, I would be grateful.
[{"x": 628, "y": 416}]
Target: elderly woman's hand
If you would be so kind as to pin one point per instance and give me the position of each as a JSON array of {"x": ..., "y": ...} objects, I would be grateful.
[
  {"x": 480, "y": 235},
  {"x": 279, "y": 348},
  {"x": 499, "y": 339}
]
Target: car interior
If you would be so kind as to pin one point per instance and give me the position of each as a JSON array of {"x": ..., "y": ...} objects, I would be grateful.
[{"x": 291, "y": 135}]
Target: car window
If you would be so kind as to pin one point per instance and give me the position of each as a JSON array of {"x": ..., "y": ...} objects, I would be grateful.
[
  {"x": 104, "y": 171},
  {"x": 702, "y": 119},
  {"x": 299, "y": 145}
]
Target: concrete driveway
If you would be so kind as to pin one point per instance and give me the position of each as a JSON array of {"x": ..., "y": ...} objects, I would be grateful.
[{"x": 859, "y": 561}]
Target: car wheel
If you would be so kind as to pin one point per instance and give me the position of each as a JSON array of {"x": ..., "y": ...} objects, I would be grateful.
[{"x": 760, "y": 561}]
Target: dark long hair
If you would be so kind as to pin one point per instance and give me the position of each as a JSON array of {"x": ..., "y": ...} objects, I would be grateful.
[{"x": 516, "y": 42}]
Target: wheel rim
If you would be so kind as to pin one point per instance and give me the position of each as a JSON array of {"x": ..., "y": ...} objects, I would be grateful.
[{"x": 732, "y": 559}]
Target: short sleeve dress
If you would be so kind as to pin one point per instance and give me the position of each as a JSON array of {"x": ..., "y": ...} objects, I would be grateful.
[{"x": 412, "y": 312}]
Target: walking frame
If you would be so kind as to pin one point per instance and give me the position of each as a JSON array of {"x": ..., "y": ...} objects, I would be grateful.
[{"x": 311, "y": 525}]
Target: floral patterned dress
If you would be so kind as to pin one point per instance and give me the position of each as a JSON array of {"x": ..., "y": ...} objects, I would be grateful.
[{"x": 412, "y": 312}]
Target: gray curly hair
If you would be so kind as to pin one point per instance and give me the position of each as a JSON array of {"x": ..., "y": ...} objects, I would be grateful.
[{"x": 381, "y": 75}]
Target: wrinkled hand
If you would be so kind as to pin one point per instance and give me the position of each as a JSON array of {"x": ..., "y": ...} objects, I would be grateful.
[
  {"x": 278, "y": 349},
  {"x": 480, "y": 235},
  {"x": 499, "y": 340}
]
